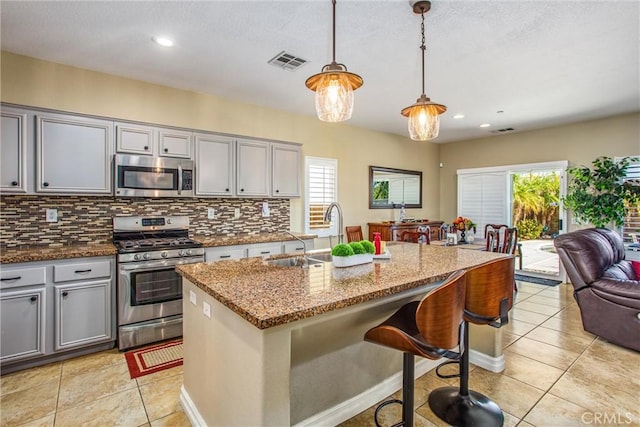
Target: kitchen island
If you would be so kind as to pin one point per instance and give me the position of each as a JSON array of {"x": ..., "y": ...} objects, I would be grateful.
[{"x": 272, "y": 345}]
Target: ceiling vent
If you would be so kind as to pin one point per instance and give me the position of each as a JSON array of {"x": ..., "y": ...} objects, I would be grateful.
[
  {"x": 287, "y": 61},
  {"x": 503, "y": 130}
]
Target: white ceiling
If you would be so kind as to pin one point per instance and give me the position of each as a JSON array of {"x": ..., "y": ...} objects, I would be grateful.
[{"x": 543, "y": 63}]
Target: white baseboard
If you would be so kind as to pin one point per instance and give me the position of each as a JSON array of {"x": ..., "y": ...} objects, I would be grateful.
[
  {"x": 490, "y": 363},
  {"x": 190, "y": 409},
  {"x": 352, "y": 407}
]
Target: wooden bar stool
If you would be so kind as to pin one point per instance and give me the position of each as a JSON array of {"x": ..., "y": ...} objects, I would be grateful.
[
  {"x": 489, "y": 297},
  {"x": 428, "y": 328}
]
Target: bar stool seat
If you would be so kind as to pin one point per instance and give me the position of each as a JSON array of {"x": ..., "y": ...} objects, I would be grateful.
[
  {"x": 489, "y": 297},
  {"x": 429, "y": 328}
]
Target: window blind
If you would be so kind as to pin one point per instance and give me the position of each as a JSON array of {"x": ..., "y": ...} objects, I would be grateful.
[
  {"x": 322, "y": 184},
  {"x": 483, "y": 198}
]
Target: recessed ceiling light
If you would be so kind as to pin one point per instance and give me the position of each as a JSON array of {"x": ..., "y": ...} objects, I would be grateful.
[
  {"x": 459, "y": 116},
  {"x": 485, "y": 125},
  {"x": 163, "y": 41}
]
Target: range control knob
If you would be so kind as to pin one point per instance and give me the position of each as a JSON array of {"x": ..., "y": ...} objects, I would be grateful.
[
  {"x": 181, "y": 252},
  {"x": 146, "y": 256},
  {"x": 164, "y": 254},
  {"x": 136, "y": 257},
  {"x": 189, "y": 252}
]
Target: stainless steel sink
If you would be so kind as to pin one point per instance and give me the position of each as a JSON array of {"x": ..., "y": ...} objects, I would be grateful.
[
  {"x": 297, "y": 261},
  {"x": 320, "y": 256}
]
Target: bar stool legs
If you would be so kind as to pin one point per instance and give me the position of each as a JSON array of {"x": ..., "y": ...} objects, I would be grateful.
[
  {"x": 408, "y": 380},
  {"x": 463, "y": 407}
]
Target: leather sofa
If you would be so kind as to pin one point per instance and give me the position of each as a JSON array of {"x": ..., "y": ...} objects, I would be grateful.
[{"x": 605, "y": 284}]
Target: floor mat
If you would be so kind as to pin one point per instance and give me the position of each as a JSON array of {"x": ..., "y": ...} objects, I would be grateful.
[
  {"x": 537, "y": 280},
  {"x": 154, "y": 358}
]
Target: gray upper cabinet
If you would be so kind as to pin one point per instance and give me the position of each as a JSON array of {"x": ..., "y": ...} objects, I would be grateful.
[
  {"x": 73, "y": 154},
  {"x": 174, "y": 143},
  {"x": 134, "y": 139},
  {"x": 13, "y": 152},
  {"x": 285, "y": 170},
  {"x": 152, "y": 141},
  {"x": 253, "y": 168},
  {"x": 215, "y": 165}
]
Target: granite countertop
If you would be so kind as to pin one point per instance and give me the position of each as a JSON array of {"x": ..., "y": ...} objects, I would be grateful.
[
  {"x": 44, "y": 253},
  {"x": 246, "y": 239},
  {"x": 29, "y": 253},
  {"x": 269, "y": 295}
]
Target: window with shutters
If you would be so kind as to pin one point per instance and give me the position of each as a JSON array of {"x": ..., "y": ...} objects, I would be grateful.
[
  {"x": 321, "y": 190},
  {"x": 632, "y": 220}
]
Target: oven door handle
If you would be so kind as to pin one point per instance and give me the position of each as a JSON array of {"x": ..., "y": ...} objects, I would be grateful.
[{"x": 151, "y": 265}]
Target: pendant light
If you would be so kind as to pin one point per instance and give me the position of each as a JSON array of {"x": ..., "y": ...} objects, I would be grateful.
[
  {"x": 334, "y": 87},
  {"x": 424, "y": 115}
]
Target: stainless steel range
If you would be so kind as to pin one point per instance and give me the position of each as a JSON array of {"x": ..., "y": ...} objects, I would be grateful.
[{"x": 149, "y": 289}]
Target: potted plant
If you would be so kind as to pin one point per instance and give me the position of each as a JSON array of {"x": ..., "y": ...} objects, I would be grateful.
[
  {"x": 354, "y": 253},
  {"x": 599, "y": 195}
]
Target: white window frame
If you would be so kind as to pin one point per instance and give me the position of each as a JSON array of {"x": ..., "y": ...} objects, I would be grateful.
[{"x": 322, "y": 162}]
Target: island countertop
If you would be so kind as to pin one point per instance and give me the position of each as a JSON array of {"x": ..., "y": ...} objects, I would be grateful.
[{"x": 270, "y": 295}]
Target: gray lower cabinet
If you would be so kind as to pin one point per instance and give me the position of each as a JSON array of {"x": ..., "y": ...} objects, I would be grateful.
[
  {"x": 51, "y": 310},
  {"x": 22, "y": 316},
  {"x": 83, "y": 313}
]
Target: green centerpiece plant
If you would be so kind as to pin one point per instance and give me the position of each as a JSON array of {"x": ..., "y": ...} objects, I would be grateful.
[
  {"x": 600, "y": 195},
  {"x": 354, "y": 253}
]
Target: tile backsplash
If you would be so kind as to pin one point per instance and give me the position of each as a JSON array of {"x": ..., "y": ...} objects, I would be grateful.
[{"x": 88, "y": 219}]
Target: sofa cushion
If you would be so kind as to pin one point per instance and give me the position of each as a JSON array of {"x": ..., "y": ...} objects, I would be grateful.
[{"x": 622, "y": 270}]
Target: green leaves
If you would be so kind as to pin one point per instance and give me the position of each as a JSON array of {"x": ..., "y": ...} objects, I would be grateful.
[{"x": 599, "y": 194}]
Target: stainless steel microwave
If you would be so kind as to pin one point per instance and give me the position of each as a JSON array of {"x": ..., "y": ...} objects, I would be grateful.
[{"x": 146, "y": 176}]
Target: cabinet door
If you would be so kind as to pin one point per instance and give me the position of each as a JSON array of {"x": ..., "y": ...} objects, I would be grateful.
[
  {"x": 13, "y": 152},
  {"x": 82, "y": 314},
  {"x": 74, "y": 155},
  {"x": 22, "y": 316},
  {"x": 214, "y": 166},
  {"x": 174, "y": 143},
  {"x": 253, "y": 168},
  {"x": 134, "y": 139},
  {"x": 285, "y": 175}
]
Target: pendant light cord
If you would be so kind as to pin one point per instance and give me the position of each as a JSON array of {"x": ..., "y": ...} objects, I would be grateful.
[
  {"x": 334, "y": 30},
  {"x": 423, "y": 48}
]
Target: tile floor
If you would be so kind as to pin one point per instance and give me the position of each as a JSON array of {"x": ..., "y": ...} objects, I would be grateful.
[{"x": 556, "y": 375}]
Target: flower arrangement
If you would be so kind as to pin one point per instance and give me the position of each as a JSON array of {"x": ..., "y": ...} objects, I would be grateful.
[{"x": 464, "y": 224}]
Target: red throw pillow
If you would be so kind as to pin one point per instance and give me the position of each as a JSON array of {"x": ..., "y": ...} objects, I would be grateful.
[{"x": 636, "y": 268}]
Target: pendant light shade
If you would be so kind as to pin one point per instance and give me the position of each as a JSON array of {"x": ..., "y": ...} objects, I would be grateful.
[
  {"x": 334, "y": 87},
  {"x": 424, "y": 115}
]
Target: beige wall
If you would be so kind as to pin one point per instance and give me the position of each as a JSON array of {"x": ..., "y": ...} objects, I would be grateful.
[
  {"x": 37, "y": 83},
  {"x": 579, "y": 143}
]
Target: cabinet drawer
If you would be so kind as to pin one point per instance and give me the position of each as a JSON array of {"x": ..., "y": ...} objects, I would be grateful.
[
  {"x": 64, "y": 273},
  {"x": 264, "y": 250},
  {"x": 220, "y": 254},
  {"x": 22, "y": 277}
]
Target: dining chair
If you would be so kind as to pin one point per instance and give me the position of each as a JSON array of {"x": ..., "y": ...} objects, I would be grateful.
[
  {"x": 416, "y": 237},
  {"x": 354, "y": 233}
]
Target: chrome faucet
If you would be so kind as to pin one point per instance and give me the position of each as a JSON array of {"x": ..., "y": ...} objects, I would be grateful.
[
  {"x": 304, "y": 245},
  {"x": 327, "y": 218}
]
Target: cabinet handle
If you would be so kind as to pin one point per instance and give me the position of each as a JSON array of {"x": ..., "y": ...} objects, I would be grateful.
[
  {"x": 226, "y": 189},
  {"x": 14, "y": 183},
  {"x": 45, "y": 184},
  {"x": 265, "y": 252},
  {"x": 83, "y": 271},
  {"x": 225, "y": 256},
  {"x": 277, "y": 191},
  {"x": 166, "y": 150},
  {"x": 146, "y": 147},
  {"x": 65, "y": 293},
  {"x": 33, "y": 298},
  {"x": 6, "y": 279},
  {"x": 242, "y": 189}
]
